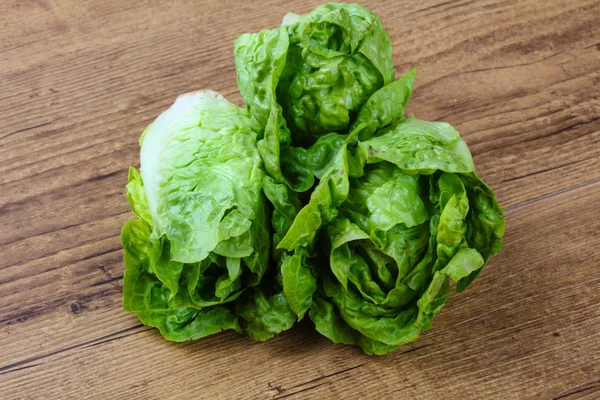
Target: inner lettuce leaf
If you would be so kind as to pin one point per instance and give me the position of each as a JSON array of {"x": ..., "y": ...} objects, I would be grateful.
[
  {"x": 311, "y": 77},
  {"x": 200, "y": 248}
]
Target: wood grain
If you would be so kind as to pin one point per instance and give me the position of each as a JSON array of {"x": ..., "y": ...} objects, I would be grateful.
[{"x": 81, "y": 80}]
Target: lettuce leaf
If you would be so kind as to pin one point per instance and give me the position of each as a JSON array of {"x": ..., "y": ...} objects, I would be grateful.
[{"x": 295, "y": 272}]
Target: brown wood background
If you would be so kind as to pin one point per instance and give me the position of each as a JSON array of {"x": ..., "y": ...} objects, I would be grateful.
[{"x": 80, "y": 80}]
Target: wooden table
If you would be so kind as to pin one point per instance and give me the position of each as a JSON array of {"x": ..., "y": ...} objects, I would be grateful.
[{"x": 79, "y": 82}]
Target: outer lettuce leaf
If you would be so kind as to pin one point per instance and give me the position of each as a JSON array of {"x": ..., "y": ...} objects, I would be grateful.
[
  {"x": 181, "y": 324},
  {"x": 147, "y": 296},
  {"x": 296, "y": 276},
  {"x": 137, "y": 197},
  {"x": 286, "y": 205},
  {"x": 265, "y": 315},
  {"x": 485, "y": 228},
  {"x": 418, "y": 146},
  {"x": 167, "y": 270},
  {"x": 299, "y": 284},
  {"x": 329, "y": 323}
]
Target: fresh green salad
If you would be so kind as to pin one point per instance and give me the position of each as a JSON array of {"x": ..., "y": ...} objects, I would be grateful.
[{"x": 319, "y": 200}]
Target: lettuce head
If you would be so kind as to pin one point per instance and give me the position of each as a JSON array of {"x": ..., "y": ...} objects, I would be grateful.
[
  {"x": 308, "y": 78},
  {"x": 202, "y": 240}
]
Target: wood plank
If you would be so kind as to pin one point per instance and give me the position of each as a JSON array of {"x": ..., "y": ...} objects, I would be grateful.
[
  {"x": 528, "y": 328},
  {"x": 82, "y": 79}
]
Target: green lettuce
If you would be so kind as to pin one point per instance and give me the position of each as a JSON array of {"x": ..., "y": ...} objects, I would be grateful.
[
  {"x": 308, "y": 78},
  {"x": 400, "y": 214},
  {"x": 295, "y": 269},
  {"x": 201, "y": 243}
]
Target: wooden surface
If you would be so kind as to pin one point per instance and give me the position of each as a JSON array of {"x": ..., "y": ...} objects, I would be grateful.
[{"x": 80, "y": 80}]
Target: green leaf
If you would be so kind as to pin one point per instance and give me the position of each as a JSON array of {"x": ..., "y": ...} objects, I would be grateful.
[
  {"x": 147, "y": 296},
  {"x": 331, "y": 325},
  {"x": 421, "y": 147},
  {"x": 299, "y": 284},
  {"x": 465, "y": 262},
  {"x": 385, "y": 105},
  {"x": 286, "y": 205},
  {"x": 137, "y": 197},
  {"x": 168, "y": 271},
  {"x": 141, "y": 289},
  {"x": 265, "y": 315},
  {"x": 181, "y": 324},
  {"x": 341, "y": 231},
  {"x": 452, "y": 226}
]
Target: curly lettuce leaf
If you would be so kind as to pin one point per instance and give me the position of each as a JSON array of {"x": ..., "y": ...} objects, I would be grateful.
[
  {"x": 148, "y": 297},
  {"x": 286, "y": 205},
  {"x": 485, "y": 225},
  {"x": 264, "y": 315},
  {"x": 181, "y": 324},
  {"x": 385, "y": 105},
  {"x": 418, "y": 146},
  {"x": 136, "y": 196},
  {"x": 299, "y": 284},
  {"x": 329, "y": 324}
]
